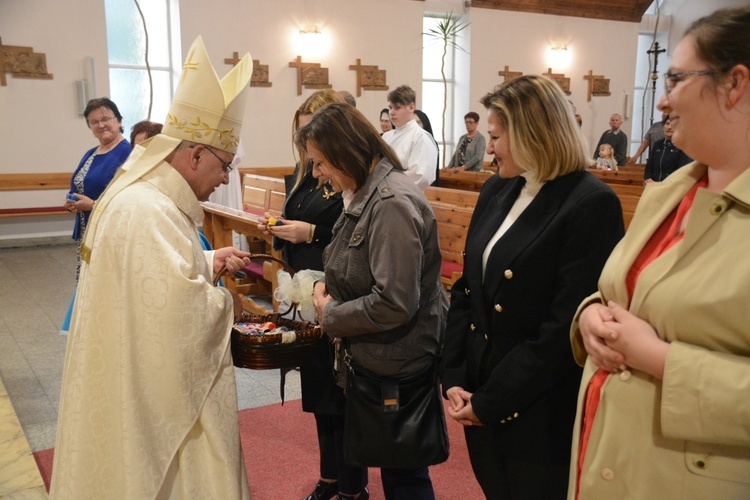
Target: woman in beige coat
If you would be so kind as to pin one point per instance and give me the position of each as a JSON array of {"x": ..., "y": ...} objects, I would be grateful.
[{"x": 664, "y": 406}]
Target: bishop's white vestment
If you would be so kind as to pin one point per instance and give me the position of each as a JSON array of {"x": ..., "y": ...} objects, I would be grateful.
[{"x": 148, "y": 407}]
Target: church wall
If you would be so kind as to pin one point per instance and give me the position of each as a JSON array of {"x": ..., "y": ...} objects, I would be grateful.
[
  {"x": 521, "y": 41},
  {"x": 40, "y": 130}
]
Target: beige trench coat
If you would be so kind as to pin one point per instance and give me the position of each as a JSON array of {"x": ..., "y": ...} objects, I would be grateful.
[{"x": 687, "y": 436}]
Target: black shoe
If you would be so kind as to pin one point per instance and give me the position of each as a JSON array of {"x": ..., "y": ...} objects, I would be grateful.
[
  {"x": 363, "y": 495},
  {"x": 324, "y": 491}
]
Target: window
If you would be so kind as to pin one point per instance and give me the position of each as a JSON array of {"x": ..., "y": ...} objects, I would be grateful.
[
  {"x": 128, "y": 72},
  {"x": 433, "y": 89}
]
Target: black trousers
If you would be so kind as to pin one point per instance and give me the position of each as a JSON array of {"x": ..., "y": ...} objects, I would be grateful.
[
  {"x": 407, "y": 484},
  {"x": 502, "y": 476},
  {"x": 352, "y": 480}
]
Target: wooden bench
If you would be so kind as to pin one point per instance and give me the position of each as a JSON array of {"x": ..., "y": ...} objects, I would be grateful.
[
  {"x": 629, "y": 195},
  {"x": 262, "y": 194},
  {"x": 33, "y": 211},
  {"x": 34, "y": 182},
  {"x": 453, "y": 210},
  {"x": 624, "y": 176},
  {"x": 276, "y": 172},
  {"x": 458, "y": 197},
  {"x": 462, "y": 179}
]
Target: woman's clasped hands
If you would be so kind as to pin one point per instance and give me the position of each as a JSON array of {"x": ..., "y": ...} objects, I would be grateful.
[
  {"x": 460, "y": 408},
  {"x": 616, "y": 340}
]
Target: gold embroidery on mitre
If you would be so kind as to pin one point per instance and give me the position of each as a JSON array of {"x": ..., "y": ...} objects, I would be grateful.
[{"x": 198, "y": 129}]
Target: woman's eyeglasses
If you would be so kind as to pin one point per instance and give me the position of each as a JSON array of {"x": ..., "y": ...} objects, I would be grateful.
[
  {"x": 671, "y": 79},
  {"x": 103, "y": 121}
]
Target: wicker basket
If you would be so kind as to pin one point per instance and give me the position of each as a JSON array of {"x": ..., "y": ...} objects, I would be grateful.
[{"x": 263, "y": 352}]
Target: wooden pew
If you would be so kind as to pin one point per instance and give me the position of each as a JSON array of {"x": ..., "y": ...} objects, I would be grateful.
[
  {"x": 461, "y": 179},
  {"x": 624, "y": 176},
  {"x": 453, "y": 224},
  {"x": 453, "y": 210},
  {"x": 276, "y": 172},
  {"x": 451, "y": 196},
  {"x": 218, "y": 223},
  {"x": 35, "y": 182},
  {"x": 629, "y": 195},
  {"x": 262, "y": 194}
]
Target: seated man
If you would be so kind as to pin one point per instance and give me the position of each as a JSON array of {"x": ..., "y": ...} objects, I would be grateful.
[
  {"x": 413, "y": 145},
  {"x": 615, "y": 138}
]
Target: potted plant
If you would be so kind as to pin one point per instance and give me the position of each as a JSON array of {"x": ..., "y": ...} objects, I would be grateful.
[{"x": 445, "y": 32}]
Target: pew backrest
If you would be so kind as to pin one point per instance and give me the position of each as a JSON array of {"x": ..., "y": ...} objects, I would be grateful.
[{"x": 262, "y": 194}]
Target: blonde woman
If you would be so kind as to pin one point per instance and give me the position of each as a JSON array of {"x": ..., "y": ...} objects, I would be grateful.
[{"x": 540, "y": 234}]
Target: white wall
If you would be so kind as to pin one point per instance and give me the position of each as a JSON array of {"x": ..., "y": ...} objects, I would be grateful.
[
  {"x": 40, "y": 130},
  {"x": 386, "y": 33},
  {"x": 521, "y": 41}
]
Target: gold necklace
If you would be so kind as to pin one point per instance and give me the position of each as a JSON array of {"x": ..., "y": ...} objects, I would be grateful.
[{"x": 326, "y": 193}]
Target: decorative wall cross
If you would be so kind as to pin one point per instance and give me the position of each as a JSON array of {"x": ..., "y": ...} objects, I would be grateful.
[
  {"x": 260, "y": 75},
  {"x": 560, "y": 79},
  {"x": 260, "y": 71},
  {"x": 598, "y": 85},
  {"x": 507, "y": 74},
  {"x": 22, "y": 62},
  {"x": 311, "y": 75},
  {"x": 369, "y": 77},
  {"x": 234, "y": 60}
]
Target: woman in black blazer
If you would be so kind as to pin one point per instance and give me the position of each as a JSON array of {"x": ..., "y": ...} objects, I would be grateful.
[
  {"x": 540, "y": 234},
  {"x": 310, "y": 211}
]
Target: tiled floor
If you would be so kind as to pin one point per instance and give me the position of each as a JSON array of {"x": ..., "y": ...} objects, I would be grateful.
[{"x": 36, "y": 284}]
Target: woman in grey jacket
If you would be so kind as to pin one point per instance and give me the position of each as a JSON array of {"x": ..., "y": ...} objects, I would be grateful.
[
  {"x": 382, "y": 291},
  {"x": 469, "y": 154}
]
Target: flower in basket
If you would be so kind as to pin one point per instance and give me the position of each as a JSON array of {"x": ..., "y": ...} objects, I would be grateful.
[{"x": 298, "y": 290}]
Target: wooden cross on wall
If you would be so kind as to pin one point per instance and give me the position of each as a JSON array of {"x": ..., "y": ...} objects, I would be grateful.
[
  {"x": 234, "y": 60},
  {"x": 311, "y": 75},
  {"x": 598, "y": 85},
  {"x": 260, "y": 71},
  {"x": 368, "y": 77},
  {"x": 560, "y": 79},
  {"x": 22, "y": 62},
  {"x": 507, "y": 74}
]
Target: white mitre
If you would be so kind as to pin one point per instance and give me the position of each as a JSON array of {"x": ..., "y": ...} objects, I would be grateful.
[{"x": 205, "y": 109}]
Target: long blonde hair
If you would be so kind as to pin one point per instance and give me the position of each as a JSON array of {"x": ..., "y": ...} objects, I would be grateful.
[{"x": 313, "y": 103}]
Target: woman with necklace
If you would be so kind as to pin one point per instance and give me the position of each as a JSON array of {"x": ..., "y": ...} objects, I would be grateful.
[
  {"x": 95, "y": 170},
  {"x": 310, "y": 211},
  {"x": 98, "y": 166}
]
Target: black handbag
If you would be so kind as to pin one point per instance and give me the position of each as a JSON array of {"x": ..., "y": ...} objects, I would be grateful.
[{"x": 394, "y": 423}]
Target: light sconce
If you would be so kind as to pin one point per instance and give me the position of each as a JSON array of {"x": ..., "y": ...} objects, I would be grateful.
[
  {"x": 310, "y": 32},
  {"x": 310, "y": 41},
  {"x": 558, "y": 57}
]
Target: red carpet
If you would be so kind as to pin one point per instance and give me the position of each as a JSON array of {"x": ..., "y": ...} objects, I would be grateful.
[{"x": 281, "y": 457}]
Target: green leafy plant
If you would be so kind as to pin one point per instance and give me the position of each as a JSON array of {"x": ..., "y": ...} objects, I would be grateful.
[{"x": 445, "y": 32}]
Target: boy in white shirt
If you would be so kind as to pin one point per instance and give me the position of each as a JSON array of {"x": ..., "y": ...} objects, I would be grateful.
[{"x": 413, "y": 145}]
